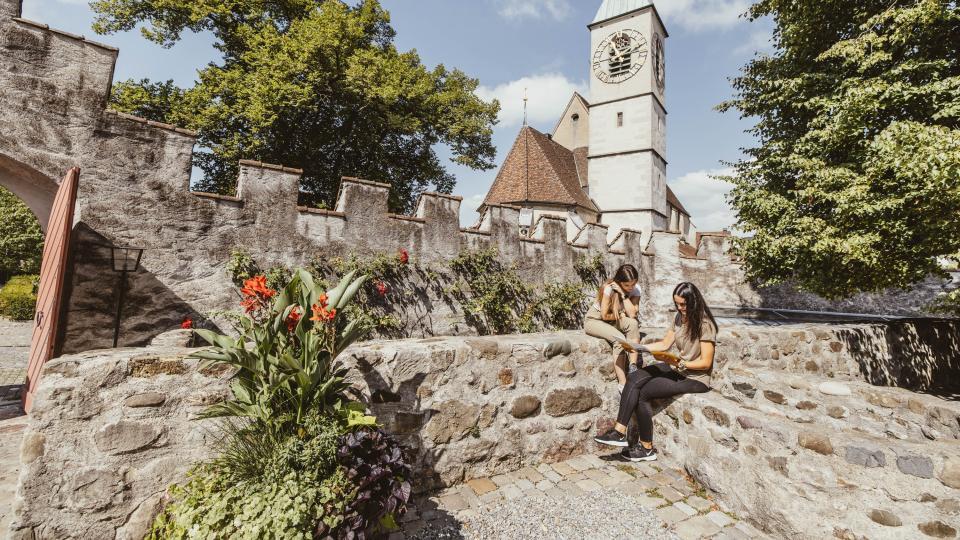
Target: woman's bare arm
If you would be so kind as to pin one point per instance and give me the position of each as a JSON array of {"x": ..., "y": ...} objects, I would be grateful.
[
  {"x": 705, "y": 362},
  {"x": 608, "y": 308},
  {"x": 662, "y": 345}
]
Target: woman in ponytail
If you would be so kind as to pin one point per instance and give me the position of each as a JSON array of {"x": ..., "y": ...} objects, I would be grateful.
[{"x": 613, "y": 317}]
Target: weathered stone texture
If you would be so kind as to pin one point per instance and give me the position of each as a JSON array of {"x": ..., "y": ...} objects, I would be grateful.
[
  {"x": 446, "y": 400},
  {"x": 95, "y": 468}
]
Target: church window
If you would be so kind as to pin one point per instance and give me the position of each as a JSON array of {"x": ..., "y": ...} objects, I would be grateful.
[
  {"x": 619, "y": 119},
  {"x": 575, "y": 117}
]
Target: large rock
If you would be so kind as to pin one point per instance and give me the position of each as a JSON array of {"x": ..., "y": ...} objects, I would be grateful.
[
  {"x": 865, "y": 457},
  {"x": 125, "y": 436},
  {"x": 919, "y": 466},
  {"x": 818, "y": 442},
  {"x": 452, "y": 421},
  {"x": 569, "y": 401},
  {"x": 950, "y": 475},
  {"x": 832, "y": 388},
  {"x": 525, "y": 406}
]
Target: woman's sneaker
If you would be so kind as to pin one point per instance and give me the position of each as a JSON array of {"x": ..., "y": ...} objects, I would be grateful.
[
  {"x": 612, "y": 438},
  {"x": 639, "y": 453}
]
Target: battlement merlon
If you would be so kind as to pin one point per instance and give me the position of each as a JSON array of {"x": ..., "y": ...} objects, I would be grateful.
[{"x": 11, "y": 8}]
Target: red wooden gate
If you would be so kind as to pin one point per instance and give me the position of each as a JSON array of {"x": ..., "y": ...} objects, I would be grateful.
[{"x": 52, "y": 274}]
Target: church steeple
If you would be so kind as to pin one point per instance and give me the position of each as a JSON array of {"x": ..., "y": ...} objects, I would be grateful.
[{"x": 615, "y": 8}]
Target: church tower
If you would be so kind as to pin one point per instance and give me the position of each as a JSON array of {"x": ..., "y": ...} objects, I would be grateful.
[{"x": 627, "y": 131}]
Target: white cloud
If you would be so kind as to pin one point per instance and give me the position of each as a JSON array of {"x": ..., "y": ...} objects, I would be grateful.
[
  {"x": 705, "y": 198},
  {"x": 468, "y": 209},
  {"x": 534, "y": 9},
  {"x": 702, "y": 14},
  {"x": 547, "y": 95},
  {"x": 758, "y": 42}
]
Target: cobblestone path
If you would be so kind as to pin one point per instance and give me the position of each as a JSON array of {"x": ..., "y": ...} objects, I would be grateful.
[{"x": 662, "y": 502}]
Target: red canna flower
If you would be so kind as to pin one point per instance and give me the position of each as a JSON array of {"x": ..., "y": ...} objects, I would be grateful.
[
  {"x": 320, "y": 313},
  {"x": 382, "y": 288},
  {"x": 322, "y": 300},
  {"x": 404, "y": 256},
  {"x": 257, "y": 286},
  {"x": 256, "y": 293},
  {"x": 187, "y": 324},
  {"x": 294, "y": 318},
  {"x": 331, "y": 314}
]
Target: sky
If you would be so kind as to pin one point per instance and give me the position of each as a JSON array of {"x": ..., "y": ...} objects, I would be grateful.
[{"x": 538, "y": 45}]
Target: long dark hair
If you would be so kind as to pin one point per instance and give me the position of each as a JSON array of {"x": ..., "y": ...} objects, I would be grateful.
[
  {"x": 627, "y": 272},
  {"x": 697, "y": 309}
]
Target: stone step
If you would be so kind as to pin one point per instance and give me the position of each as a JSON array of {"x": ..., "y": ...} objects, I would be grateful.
[{"x": 762, "y": 455}]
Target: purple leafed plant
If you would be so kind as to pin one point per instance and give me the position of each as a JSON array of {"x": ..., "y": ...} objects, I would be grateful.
[{"x": 373, "y": 462}]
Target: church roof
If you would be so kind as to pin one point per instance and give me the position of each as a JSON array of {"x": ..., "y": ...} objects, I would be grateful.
[
  {"x": 614, "y": 8},
  {"x": 540, "y": 170},
  {"x": 674, "y": 201}
]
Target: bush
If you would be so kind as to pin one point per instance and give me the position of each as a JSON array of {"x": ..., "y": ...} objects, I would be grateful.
[
  {"x": 18, "y": 300},
  {"x": 21, "y": 239}
]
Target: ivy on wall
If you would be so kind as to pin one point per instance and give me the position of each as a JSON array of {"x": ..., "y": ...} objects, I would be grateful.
[{"x": 493, "y": 297}]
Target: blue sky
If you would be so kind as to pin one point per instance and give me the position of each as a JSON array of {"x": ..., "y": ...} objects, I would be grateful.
[{"x": 540, "y": 45}]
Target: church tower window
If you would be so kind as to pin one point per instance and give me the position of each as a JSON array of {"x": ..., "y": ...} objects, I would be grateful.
[{"x": 619, "y": 119}]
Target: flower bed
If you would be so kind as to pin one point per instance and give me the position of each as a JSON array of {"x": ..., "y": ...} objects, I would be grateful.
[{"x": 297, "y": 458}]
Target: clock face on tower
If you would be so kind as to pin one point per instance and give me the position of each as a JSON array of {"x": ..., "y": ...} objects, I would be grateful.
[
  {"x": 620, "y": 56},
  {"x": 659, "y": 69}
]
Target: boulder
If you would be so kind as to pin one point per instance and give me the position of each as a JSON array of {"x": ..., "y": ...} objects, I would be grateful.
[
  {"x": 885, "y": 518},
  {"x": 452, "y": 421},
  {"x": 937, "y": 529}
]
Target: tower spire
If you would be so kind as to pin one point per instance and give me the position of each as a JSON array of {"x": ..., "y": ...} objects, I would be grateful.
[{"x": 525, "y": 99}]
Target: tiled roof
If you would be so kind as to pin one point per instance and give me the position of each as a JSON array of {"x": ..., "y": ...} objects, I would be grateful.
[
  {"x": 539, "y": 170},
  {"x": 613, "y": 8},
  {"x": 674, "y": 201}
]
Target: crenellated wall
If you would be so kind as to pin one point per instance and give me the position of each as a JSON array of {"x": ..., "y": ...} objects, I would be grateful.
[{"x": 134, "y": 191}]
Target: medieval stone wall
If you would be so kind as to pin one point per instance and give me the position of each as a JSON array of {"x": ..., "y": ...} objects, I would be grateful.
[
  {"x": 134, "y": 191},
  {"x": 793, "y": 429}
]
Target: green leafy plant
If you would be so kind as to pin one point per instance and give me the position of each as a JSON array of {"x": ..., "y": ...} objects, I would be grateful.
[
  {"x": 591, "y": 269},
  {"x": 285, "y": 361},
  {"x": 492, "y": 293},
  {"x": 21, "y": 239},
  {"x": 296, "y": 458},
  {"x": 18, "y": 299},
  {"x": 241, "y": 266}
]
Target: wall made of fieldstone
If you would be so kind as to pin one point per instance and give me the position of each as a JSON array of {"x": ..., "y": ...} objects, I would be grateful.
[{"x": 776, "y": 439}]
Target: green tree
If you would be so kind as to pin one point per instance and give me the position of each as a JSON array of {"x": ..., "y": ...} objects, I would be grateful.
[
  {"x": 314, "y": 84},
  {"x": 21, "y": 239},
  {"x": 855, "y": 183}
]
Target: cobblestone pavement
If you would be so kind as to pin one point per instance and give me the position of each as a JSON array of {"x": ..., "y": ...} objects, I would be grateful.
[
  {"x": 14, "y": 350},
  {"x": 676, "y": 501}
]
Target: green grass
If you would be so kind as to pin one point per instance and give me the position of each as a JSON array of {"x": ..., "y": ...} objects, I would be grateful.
[
  {"x": 623, "y": 467},
  {"x": 17, "y": 298}
]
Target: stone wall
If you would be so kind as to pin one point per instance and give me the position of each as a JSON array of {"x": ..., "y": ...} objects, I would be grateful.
[
  {"x": 134, "y": 191},
  {"x": 111, "y": 429}
]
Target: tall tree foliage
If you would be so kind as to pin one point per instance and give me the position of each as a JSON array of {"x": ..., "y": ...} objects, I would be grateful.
[
  {"x": 21, "y": 239},
  {"x": 314, "y": 84},
  {"x": 855, "y": 184}
]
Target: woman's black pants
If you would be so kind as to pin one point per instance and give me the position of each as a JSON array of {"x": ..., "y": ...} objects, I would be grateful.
[{"x": 657, "y": 381}]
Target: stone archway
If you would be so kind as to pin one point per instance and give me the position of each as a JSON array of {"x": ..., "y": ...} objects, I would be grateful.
[{"x": 34, "y": 188}]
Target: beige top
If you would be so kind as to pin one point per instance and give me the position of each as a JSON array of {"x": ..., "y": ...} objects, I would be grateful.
[{"x": 690, "y": 349}]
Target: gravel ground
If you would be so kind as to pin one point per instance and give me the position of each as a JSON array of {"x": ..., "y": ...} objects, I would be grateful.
[{"x": 601, "y": 514}]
